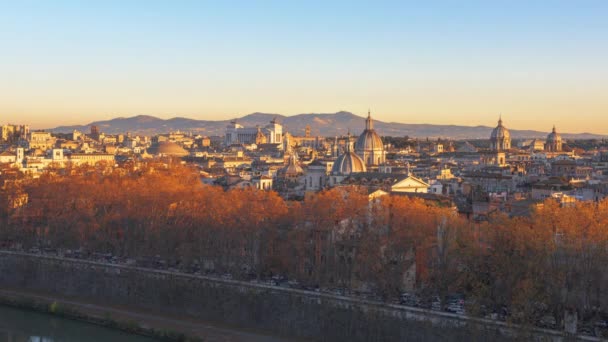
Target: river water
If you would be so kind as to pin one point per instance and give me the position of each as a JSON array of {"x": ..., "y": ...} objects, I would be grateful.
[{"x": 27, "y": 326}]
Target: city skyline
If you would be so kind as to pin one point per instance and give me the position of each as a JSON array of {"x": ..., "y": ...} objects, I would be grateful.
[
  {"x": 323, "y": 124},
  {"x": 271, "y": 170},
  {"x": 444, "y": 63}
]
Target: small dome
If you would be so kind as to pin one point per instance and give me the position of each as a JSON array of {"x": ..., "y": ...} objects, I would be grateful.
[
  {"x": 348, "y": 163},
  {"x": 167, "y": 148},
  {"x": 293, "y": 169}
]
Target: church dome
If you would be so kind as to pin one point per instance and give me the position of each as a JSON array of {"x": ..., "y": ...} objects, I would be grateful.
[
  {"x": 369, "y": 145},
  {"x": 554, "y": 141},
  {"x": 369, "y": 140},
  {"x": 348, "y": 163},
  {"x": 553, "y": 136},
  {"x": 500, "y": 139},
  {"x": 500, "y": 132},
  {"x": 167, "y": 148},
  {"x": 293, "y": 169}
]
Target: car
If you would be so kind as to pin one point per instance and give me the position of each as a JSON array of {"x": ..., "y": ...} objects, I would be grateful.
[
  {"x": 409, "y": 299},
  {"x": 456, "y": 308},
  {"x": 278, "y": 280},
  {"x": 433, "y": 303},
  {"x": 586, "y": 330},
  {"x": 547, "y": 321},
  {"x": 455, "y": 304},
  {"x": 601, "y": 324},
  {"x": 337, "y": 291}
]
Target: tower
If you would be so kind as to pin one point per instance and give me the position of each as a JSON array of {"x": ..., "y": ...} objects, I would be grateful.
[
  {"x": 94, "y": 132},
  {"x": 20, "y": 155}
]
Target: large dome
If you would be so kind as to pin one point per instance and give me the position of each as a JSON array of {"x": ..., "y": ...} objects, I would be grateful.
[
  {"x": 167, "y": 148},
  {"x": 369, "y": 146},
  {"x": 348, "y": 163},
  {"x": 369, "y": 140}
]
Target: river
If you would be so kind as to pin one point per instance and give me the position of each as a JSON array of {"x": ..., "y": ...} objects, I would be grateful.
[
  {"x": 18, "y": 325},
  {"x": 27, "y": 326}
]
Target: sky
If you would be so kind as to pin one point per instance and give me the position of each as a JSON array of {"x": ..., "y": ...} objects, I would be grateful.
[{"x": 538, "y": 63}]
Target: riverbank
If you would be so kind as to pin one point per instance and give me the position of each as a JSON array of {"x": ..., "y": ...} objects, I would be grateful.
[
  {"x": 148, "y": 324},
  {"x": 175, "y": 298},
  {"x": 93, "y": 314}
]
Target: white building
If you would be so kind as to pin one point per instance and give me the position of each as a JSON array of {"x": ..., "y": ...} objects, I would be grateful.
[
  {"x": 411, "y": 184},
  {"x": 237, "y": 134},
  {"x": 262, "y": 182}
]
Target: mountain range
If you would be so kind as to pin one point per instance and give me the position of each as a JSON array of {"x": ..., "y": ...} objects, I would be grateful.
[{"x": 328, "y": 125}]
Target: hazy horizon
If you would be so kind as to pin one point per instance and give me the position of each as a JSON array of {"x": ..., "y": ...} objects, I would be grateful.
[
  {"x": 539, "y": 64},
  {"x": 362, "y": 115}
]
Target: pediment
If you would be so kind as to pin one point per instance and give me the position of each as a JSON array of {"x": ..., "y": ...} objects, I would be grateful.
[{"x": 410, "y": 182}]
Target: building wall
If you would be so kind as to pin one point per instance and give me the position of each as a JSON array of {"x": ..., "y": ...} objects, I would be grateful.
[{"x": 41, "y": 140}]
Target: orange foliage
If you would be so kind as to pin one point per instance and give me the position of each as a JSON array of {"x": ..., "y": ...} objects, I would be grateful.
[{"x": 554, "y": 259}]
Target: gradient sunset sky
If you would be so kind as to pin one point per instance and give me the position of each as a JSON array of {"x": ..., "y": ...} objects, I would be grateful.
[{"x": 538, "y": 63}]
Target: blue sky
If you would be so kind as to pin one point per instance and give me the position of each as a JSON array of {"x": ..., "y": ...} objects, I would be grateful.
[{"x": 453, "y": 62}]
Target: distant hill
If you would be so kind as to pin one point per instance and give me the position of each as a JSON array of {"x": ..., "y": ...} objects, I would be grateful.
[{"x": 321, "y": 124}]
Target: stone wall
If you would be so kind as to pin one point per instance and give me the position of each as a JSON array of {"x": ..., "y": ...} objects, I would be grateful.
[{"x": 287, "y": 312}]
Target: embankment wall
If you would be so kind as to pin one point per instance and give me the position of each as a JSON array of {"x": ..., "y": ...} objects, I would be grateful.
[{"x": 288, "y": 312}]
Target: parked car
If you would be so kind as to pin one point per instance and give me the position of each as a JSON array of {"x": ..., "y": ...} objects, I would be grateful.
[
  {"x": 409, "y": 299},
  {"x": 455, "y": 304},
  {"x": 547, "y": 321}
]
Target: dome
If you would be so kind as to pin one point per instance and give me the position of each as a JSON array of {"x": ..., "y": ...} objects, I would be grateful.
[
  {"x": 500, "y": 139},
  {"x": 500, "y": 132},
  {"x": 293, "y": 169},
  {"x": 369, "y": 145},
  {"x": 553, "y": 136},
  {"x": 348, "y": 163},
  {"x": 554, "y": 141},
  {"x": 369, "y": 140},
  {"x": 167, "y": 148}
]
